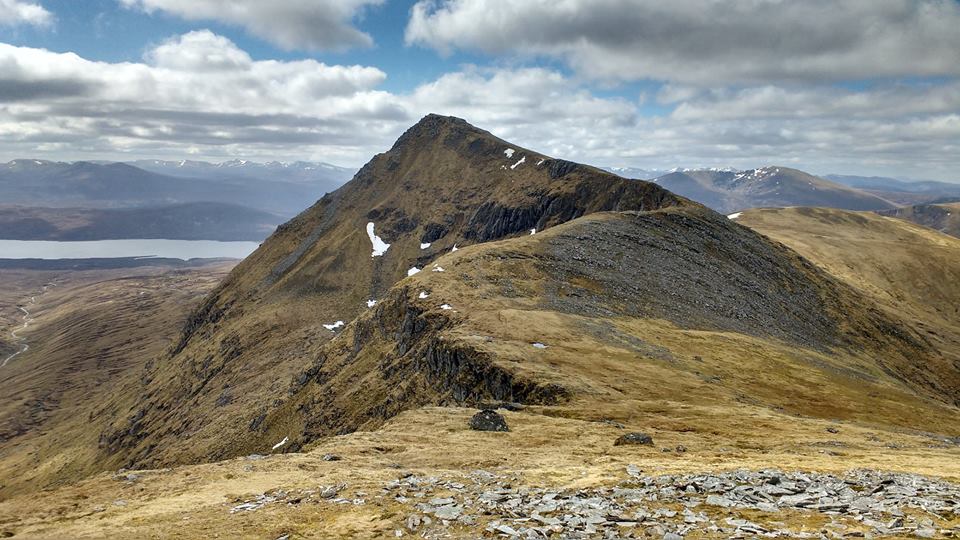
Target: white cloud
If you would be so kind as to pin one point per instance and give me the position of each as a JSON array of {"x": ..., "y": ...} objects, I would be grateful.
[
  {"x": 706, "y": 43},
  {"x": 894, "y": 129},
  {"x": 15, "y": 12},
  {"x": 783, "y": 104},
  {"x": 199, "y": 94},
  {"x": 198, "y": 89},
  {"x": 292, "y": 24},
  {"x": 536, "y": 107}
]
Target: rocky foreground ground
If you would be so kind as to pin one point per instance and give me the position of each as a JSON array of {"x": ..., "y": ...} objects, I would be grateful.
[{"x": 735, "y": 504}]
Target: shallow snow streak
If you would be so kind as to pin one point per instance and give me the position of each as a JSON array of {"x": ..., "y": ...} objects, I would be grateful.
[{"x": 379, "y": 246}]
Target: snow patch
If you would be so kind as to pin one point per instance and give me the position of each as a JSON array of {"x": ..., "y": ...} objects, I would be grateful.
[
  {"x": 371, "y": 303},
  {"x": 423, "y": 295},
  {"x": 424, "y": 245},
  {"x": 735, "y": 215},
  {"x": 281, "y": 443},
  {"x": 455, "y": 248},
  {"x": 539, "y": 345},
  {"x": 756, "y": 174},
  {"x": 539, "y": 163},
  {"x": 533, "y": 232},
  {"x": 522, "y": 160},
  {"x": 379, "y": 246},
  {"x": 509, "y": 152},
  {"x": 334, "y": 326},
  {"x": 439, "y": 269},
  {"x": 413, "y": 271},
  {"x": 445, "y": 306}
]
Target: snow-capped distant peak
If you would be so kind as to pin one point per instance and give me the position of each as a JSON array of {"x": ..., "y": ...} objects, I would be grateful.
[
  {"x": 757, "y": 174},
  {"x": 28, "y": 163}
]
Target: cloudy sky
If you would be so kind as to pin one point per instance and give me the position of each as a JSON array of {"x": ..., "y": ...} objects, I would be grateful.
[{"x": 851, "y": 86}]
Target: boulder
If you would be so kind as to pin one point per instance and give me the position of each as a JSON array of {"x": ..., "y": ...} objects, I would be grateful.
[
  {"x": 488, "y": 420},
  {"x": 633, "y": 438}
]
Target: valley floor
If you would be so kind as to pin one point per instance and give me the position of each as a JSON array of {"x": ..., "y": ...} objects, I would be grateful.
[{"x": 88, "y": 334}]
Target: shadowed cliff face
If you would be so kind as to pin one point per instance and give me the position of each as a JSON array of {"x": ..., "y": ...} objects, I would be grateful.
[
  {"x": 943, "y": 217},
  {"x": 444, "y": 183}
]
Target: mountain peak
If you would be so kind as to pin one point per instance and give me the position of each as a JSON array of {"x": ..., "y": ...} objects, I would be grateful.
[{"x": 432, "y": 127}]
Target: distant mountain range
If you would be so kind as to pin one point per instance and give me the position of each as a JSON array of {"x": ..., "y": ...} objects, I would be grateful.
[
  {"x": 297, "y": 171},
  {"x": 185, "y": 221},
  {"x": 883, "y": 183},
  {"x": 268, "y": 187},
  {"x": 729, "y": 190},
  {"x": 905, "y": 192},
  {"x": 242, "y": 200}
]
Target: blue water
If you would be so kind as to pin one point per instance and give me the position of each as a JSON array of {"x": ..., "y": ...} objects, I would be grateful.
[{"x": 172, "y": 249}]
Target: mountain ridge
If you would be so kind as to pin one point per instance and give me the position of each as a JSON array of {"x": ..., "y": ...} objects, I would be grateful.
[
  {"x": 320, "y": 262},
  {"x": 314, "y": 335}
]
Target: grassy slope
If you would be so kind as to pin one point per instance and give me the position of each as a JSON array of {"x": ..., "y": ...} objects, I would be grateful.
[
  {"x": 92, "y": 334},
  {"x": 912, "y": 271}
]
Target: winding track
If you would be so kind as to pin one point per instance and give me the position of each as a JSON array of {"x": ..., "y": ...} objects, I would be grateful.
[{"x": 24, "y": 347}]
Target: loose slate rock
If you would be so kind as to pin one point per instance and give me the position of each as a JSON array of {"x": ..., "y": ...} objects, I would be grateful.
[
  {"x": 488, "y": 420},
  {"x": 633, "y": 438}
]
